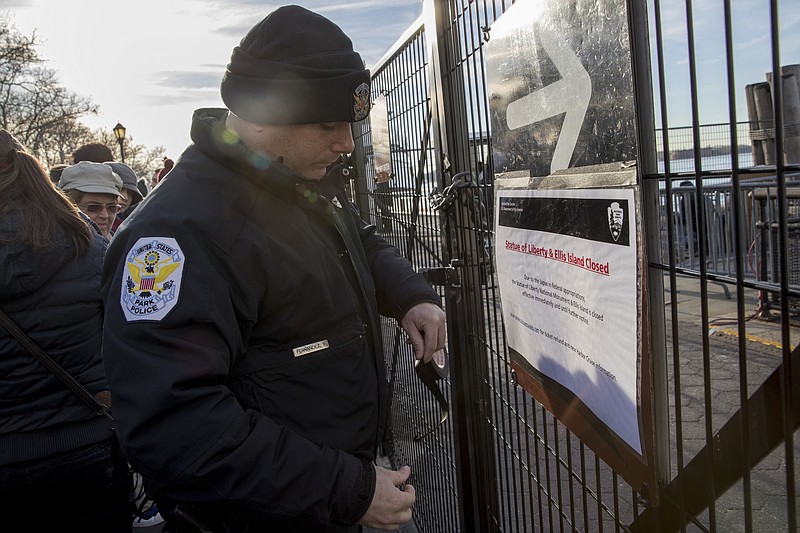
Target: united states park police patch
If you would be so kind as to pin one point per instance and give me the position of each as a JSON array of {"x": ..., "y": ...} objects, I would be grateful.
[{"x": 151, "y": 280}]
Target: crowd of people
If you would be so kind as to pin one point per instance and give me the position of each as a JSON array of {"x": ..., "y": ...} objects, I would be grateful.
[{"x": 228, "y": 318}]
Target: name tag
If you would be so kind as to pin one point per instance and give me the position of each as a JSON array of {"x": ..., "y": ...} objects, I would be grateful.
[{"x": 310, "y": 348}]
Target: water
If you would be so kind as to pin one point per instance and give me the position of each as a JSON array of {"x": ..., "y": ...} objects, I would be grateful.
[{"x": 716, "y": 162}]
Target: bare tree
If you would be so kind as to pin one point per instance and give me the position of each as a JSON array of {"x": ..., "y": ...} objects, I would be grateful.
[
  {"x": 143, "y": 160},
  {"x": 44, "y": 115},
  {"x": 33, "y": 104}
]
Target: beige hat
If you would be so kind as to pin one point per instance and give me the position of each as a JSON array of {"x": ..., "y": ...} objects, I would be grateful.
[{"x": 87, "y": 176}]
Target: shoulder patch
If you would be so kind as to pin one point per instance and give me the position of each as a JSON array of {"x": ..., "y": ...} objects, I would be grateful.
[{"x": 151, "y": 280}]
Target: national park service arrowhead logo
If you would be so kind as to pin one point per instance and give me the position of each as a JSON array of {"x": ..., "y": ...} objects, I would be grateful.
[{"x": 616, "y": 216}]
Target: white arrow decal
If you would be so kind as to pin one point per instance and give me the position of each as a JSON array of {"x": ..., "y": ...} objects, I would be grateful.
[{"x": 570, "y": 95}]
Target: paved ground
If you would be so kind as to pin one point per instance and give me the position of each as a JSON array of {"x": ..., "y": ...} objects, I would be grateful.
[
  {"x": 762, "y": 327},
  {"x": 764, "y": 337}
]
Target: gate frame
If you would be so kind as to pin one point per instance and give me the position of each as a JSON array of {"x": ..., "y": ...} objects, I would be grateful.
[{"x": 476, "y": 473}]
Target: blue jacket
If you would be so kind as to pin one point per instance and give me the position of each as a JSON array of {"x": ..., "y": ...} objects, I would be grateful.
[
  {"x": 56, "y": 300},
  {"x": 243, "y": 338}
]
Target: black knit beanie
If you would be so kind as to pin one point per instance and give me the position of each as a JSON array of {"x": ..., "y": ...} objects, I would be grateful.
[{"x": 296, "y": 67}]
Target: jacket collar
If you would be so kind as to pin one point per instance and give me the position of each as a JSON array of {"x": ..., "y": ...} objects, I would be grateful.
[{"x": 210, "y": 136}]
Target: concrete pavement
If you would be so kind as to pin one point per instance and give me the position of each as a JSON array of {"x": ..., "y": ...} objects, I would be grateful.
[{"x": 712, "y": 372}]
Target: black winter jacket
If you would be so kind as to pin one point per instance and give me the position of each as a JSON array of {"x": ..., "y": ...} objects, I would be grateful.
[
  {"x": 242, "y": 333},
  {"x": 56, "y": 300}
]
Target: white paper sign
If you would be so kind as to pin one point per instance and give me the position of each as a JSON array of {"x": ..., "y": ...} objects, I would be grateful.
[{"x": 566, "y": 266}]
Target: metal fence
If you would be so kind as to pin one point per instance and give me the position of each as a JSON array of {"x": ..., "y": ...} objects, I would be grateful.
[
  {"x": 722, "y": 247},
  {"x": 758, "y": 230},
  {"x": 715, "y": 143}
]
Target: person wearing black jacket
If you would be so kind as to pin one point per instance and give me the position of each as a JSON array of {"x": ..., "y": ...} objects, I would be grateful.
[
  {"x": 242, "y": 332},
  {"x": 61, "y": 467}
]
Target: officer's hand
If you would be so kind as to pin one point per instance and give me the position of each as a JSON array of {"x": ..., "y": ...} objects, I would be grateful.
[
  {"x": 425, "y": 326},
  {"x": 392, "y": 502}
]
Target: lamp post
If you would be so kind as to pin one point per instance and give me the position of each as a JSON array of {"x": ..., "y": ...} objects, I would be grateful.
[{"x": 119, "y": 133}]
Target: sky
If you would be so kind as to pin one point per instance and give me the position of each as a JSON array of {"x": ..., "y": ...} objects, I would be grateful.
[
  {"x": 149, "y": 64},
  {"x": 752, "y": 53}
]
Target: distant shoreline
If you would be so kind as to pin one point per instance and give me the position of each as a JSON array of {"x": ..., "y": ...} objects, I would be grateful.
[{"x": 706, "y": 151}]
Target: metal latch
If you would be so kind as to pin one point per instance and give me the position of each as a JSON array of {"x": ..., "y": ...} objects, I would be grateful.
[{"x": 445, "y": 276}]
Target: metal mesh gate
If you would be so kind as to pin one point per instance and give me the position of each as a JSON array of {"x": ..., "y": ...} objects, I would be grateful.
[{"x": 722, "y": 324}]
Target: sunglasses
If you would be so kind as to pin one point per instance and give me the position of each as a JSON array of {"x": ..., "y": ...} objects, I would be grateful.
[{"x": 94, "y": 209}]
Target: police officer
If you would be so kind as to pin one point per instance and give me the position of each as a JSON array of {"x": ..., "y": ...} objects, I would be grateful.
[{"x": 242, "y": 335}]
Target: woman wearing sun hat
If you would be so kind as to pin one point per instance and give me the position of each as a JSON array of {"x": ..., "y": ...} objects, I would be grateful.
[{"x": 96, "y": 190}]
